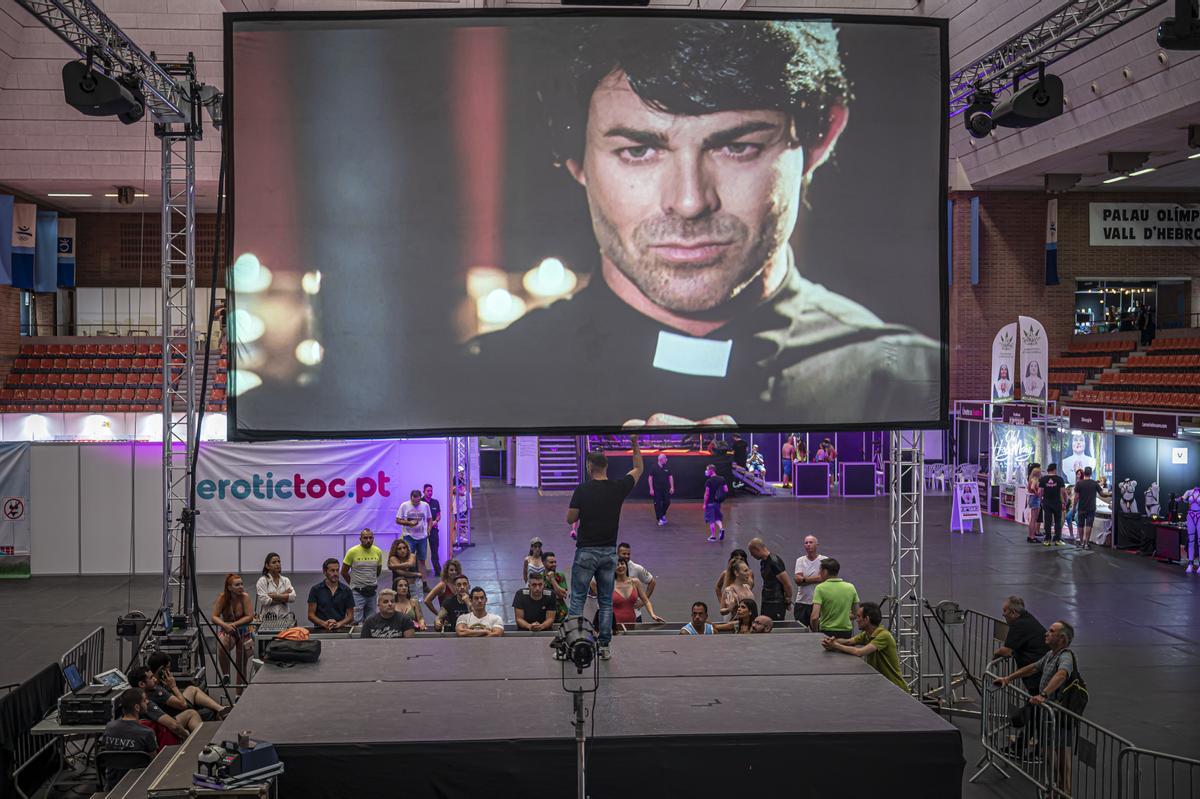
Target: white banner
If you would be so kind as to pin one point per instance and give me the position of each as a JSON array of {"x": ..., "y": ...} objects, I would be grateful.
[
  {"x": 1035, "y": 359},
  {"x": 1004, "y": 358},
  {"x": 14, "y": 501},
  {"x": 313, "y": 488},
  {"x": 1144, "y": 225}
]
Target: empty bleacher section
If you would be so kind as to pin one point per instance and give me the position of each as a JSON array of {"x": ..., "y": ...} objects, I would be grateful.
[
  {"x": 85, "y": 375},
  {"x": 1085, "y": 360},
  {"x": 1166, "y": 375}
]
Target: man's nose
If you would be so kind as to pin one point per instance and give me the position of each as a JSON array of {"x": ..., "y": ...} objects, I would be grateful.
[{"x": 691, "y": 190}]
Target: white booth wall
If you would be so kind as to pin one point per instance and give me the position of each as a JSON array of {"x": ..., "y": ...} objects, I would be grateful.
[{"x": 94, "y": 507}]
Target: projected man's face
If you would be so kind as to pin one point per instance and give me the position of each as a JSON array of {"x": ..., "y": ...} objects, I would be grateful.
[{"x": 690, "y": 209}]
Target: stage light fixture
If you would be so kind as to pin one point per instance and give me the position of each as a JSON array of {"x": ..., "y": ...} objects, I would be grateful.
[
  {"x": 576, "y": 642},
  {"x": 977, "y": 118},
  {"x": 1032, "y": 104},
  {"x": 96, "y": 94},
  {"x": 1182, "y": 31}
]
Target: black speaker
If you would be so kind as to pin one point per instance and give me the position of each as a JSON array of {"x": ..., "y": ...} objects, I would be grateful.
[
  {"x": 98, "y": 95},
  {"x": 1031, "y": 105}
]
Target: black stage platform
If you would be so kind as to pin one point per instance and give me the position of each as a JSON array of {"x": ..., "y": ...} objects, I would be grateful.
[{"x": 675, "y": 716}]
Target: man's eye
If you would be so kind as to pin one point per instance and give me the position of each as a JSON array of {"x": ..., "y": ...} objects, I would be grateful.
[
  {"x": 641, "y": 152},
  {"x": 742, "y": 149}
]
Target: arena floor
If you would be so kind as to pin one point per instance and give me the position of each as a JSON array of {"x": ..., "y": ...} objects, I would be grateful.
[{"x": 1133, "y": 617}]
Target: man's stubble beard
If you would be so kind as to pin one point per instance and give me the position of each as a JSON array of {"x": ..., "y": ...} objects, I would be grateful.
[{"x": 692, "y": 288}]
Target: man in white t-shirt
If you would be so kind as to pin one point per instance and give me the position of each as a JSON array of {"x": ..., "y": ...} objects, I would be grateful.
[
  {"x": 414, "y": 516},
  {"x": 808, "y": 574},
  {"x": 478, "y": 623}
]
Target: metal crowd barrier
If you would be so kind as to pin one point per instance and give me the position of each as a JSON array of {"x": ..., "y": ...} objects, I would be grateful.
[
  {"x": 958, "y": 645},
  {"x": 1155, "y": 775},
  {"x": 1061, "y": 753},
  {"x": 87, "y": 655}
]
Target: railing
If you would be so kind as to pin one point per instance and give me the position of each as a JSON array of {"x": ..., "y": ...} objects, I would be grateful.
[
  {"x": 1155, "y": 775},
  {"x": 1177, "y": 321},
  {"x": 87, "y": 655},
  {"x": 1061, "y": 753},
  {"x": 956, "y": 657}
]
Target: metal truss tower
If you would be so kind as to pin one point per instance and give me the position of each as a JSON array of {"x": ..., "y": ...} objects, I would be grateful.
[
  {"x": 460, "y": 484},
  {"x": 907, "y": 499},
  {"x": 171, "y": 95},
  {"x": 1069, "y": 27}
]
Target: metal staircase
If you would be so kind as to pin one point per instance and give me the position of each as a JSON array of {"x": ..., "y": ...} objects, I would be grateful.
[
  {"x": 752, "y": 482},
  {"x": 559, "y": 463}
]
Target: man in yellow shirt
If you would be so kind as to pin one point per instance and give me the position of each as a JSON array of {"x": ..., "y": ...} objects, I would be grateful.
[
  {"x": 361, "y": 568},
  {"x": 873, "y": 644}
]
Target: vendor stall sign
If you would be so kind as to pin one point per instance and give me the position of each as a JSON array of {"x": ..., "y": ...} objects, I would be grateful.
[
  {"x": 1017, "y": 414},
  {"x": 1087, "y": 419},
  {"x": 1144, "y": 225},
  {"x": 966, "y": 506},
  {"x": 1160, "y": 425}
]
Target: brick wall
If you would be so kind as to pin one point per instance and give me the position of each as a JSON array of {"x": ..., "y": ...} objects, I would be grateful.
[
  {"x": 10, "y": 328},
  {"x": 1012, "y": 271},
  {"x": 123, "y": 250}
]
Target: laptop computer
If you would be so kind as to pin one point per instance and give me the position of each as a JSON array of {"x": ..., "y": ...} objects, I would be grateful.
[{"x": 77, "y": 685}]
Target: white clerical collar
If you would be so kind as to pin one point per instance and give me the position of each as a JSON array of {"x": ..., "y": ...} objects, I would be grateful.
[{"x": 685, "y": 355}]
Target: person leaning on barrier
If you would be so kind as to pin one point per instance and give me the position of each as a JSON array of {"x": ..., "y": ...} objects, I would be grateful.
[
  {"x": 833, "y": 602},
  {"x": 534, "y": 607},
  {"x": 762, "y": 624},
  {"x": 699, "y": 624},
  {"x": 455, "y": 606},
  {"x": 1025, "y": 642},
  {"x": 330, "y": 603}
]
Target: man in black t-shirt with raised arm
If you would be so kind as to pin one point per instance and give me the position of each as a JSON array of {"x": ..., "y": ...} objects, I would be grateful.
[
  {"x": 1053, "y": 489},
  {"x": 596, "y": 505}
]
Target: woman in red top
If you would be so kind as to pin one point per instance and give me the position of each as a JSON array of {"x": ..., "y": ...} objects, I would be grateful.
[{"x": 626, "y": 593}]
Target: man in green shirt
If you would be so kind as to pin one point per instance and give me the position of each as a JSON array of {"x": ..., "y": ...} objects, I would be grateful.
[
  {"x": 833, "y": 600},
  {"x": 873, "y": 644},
  {"x": 361, "y": 568}
]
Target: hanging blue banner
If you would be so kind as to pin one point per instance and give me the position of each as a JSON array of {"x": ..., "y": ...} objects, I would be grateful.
[
  {"x": 46, "y": 252},
  {"x": 66, "y": 253},
  {"x": 24, "y": 237}
]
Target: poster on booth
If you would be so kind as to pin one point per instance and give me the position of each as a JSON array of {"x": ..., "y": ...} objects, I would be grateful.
[
  {"x": 966, "y": 506},
  {"x": 14, "y": 498},
  {"x": 1034, "y": 359},
  {"x": 293, "y": 488},
  {"x": 1004, "y": 356}
]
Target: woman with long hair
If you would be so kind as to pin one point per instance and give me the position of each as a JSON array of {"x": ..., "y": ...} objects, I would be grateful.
[
  {"x": 737, "y": 554},
  {"x": 744, "y": 615},
  {"x": 444, "y": 589},
  {"x": 232, "y": 613},
  {"x": 739, "y": 585},
  {"x": 1034, "y": 492},
  {"x": 274, "y": 591},
  {"x": 406, "y": 604},
  {"x": 402, "y": 562},
  {"x": 627, "y": 591}
]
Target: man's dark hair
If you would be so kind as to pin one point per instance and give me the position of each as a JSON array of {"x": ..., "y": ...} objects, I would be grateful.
[
  {"x": 701, "y": 605},
  {"x": 693, "y": 67},
  {"x": 416, "y": 492},
  {"x": 1087, "y": 471},
  {"x": 597, "y": 461},
  {"x": 548, "y": 555},
  {"x": 157, "y": 661},
  {"x": 129, "y": 699},
  {"x": 1052, "y": 467},
  {"x": 622, "y": 544},
  {"x": 138, "y": 675},
  {"x": 477, "y": 590},
  {"x": 739, "y": 553},
  {"x": 831, "y": 567},
  {"x": 462, "y": 577},
  {"x": 872, "y": 612},
  {"x": 536, "y": 576},
  {"x": 427, "y": 485},
  {"x": 325, "y": 565}
]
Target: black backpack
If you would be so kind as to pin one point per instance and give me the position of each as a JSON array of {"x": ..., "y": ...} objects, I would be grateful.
[
  {"x": 1073, "y": 695},
  {"x": 287, "y": 651}
]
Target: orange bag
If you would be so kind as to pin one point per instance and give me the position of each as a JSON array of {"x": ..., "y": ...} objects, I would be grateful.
[{"x": 293, "y": 634}]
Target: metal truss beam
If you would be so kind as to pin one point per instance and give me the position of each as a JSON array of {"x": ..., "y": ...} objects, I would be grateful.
[
  {"x": 460, "y": 485},
  {"x": 1068, "y": 28},
  {"x": 907, "y": 500},
  {"x": 82, "y": 25}
]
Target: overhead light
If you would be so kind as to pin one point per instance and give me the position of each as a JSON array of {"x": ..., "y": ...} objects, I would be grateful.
[
  {"x": 1032, "y": 104},
  {"x": 1193, "y": 156},
  {"x": 977, "y": 118},
  {"x": 1117, "y": 179},
  {"x": 97, "y": 94},
  {"x": 117, "y": 195},
  {"x": 66, "y": 194},
  {"x": 1145, "y": 171}
]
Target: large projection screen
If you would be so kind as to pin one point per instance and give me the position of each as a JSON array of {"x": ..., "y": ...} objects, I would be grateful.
[{"x": 585, "y": 221}]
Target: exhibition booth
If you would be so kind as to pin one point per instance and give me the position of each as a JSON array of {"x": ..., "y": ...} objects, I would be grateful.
[{"x": 1146, "y": 461}]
